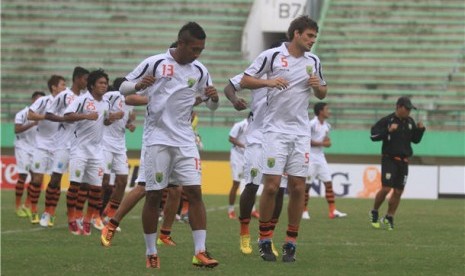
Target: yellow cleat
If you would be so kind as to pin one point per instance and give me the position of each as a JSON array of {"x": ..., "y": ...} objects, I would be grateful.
[
  {"x": 275, "y": 251},
  {"x": 245, "y": 244},
  {"x": 35, "y": 218},
  {"x": 21, "y": 213}
]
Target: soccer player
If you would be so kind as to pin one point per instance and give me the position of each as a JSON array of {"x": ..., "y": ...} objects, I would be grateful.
[
  {"x": 236, "y": 160},
  {"x": 90, "y": 112},
  {"x": 318, "y": 168},
  {"x": 63, "y": 140},
  {"x": 173, "y": 81},
  {"x": 25, "y": 131},
  {"x": 253, "y": 156},
  {"x": 45, "y": 142},
  {"x": 292, "y": 73},
  {"x": 397, "y": 131},
  {"x": 116, "y": 160}
]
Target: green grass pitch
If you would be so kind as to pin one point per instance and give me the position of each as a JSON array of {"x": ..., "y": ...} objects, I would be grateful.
[{"x": 429, "y": 239}]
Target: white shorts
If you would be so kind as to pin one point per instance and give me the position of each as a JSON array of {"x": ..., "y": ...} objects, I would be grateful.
[
  {"x": 318, "y": 170},
  {"x": 236, "y": 161},
  {"x": 116, "y": 162},
  {"x": 285, "y": 153},
  {"x": 60, "y": 161},
  {"x": 89, "y": 171},
  {"x": 23, "y": 160},
  {"x": 42, "y": 161},
  {"x": 141, "y": 172},
  {"x": 253, "y": 156},
  {"x": 177, "y": 165}
]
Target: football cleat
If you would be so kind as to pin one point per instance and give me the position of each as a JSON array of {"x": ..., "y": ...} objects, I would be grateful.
[
  {"x": 44, "y": 219},
  {"x": 245, "y": 244},
  {"x": 35, "y": 218},
  {"x": 288, "y": 252},
  {"x": 266, "y": 251},
  {"x": 337, "y": 214},
  {"x": 73, "y": 228},
  {"x": 107, "y": 235},
  {"x": 167, "y": 240},
  {"x": 152, "y": 261},
  {"x": 388, "y": 222},
  {"x": 203, "y": 259},
  {"x": 373, "y": 214}
]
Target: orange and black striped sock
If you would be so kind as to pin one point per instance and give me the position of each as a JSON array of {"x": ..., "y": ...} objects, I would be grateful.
[
  {"x": 273, "y": 222},
  {"x": 292, "y": 233},
  {"x": 244, "y": 226},
  {"x": 266, "y": 233},
  {"x": 111, "y": 208},
  {"x": 165, "y": 232},
  {"x": 82, "y": 196},
  {"x": 71, "y": 198},
  {"x": 19, "y": 190},
  {"x": 34, "y": 194},
  {"x": 95, "y": 196},
  {"x": 55, "y": 198},
  {"x": 113, "y": 224},
  {"x": 49, "y": 197},
  {"x": 330, "y": 199}
]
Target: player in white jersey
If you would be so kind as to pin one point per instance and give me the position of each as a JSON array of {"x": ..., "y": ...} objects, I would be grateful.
[
  {"x": 253, "y": 158},
  {"x": 114, "y": 150},
  {"x": 292, "y": 73},
  {"x": 90, "y": 112},
  {"x": 236, "y": 161},
  {"x": 45, "y": 142},
  {"x": 63, "y": 139},
  {"x": 25, "y": 131},
  {"x": 173, "y": 81},
  {"x": 318, "y": 168}
]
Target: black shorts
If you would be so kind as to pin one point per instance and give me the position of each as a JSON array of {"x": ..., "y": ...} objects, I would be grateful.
[{"x": 393, "y": 172}]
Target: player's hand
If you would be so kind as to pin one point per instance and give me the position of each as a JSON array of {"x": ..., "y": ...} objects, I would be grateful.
[
  {"x": 326, "y": 142},
  {"x": 116, "y": 116},
  {"x": 393, "y": 127},
  {"x": 314, "y": 81},
  {"x": 279, "y": 83},
  {"x": 239, "y": 104},
  {"x": 210, "y": 92},
  {"x": 131, "y": 127},
  {"x": 93, "y": 116},
  {"x": 145, "y": 82},
  {"x": 420, "y": 125}
]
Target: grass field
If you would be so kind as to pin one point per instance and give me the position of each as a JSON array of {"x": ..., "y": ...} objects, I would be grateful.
[{"x": 429, "y": 239}]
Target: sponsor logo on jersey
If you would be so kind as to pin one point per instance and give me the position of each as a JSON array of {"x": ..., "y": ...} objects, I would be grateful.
[
  {"x": 159, "y": 177},
  {"x": 270, "y": 162}
]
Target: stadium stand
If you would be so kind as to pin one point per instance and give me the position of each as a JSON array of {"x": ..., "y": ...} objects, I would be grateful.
[
  {"x": 375, "y": 51},
  {"x": 372, "y": 51}
]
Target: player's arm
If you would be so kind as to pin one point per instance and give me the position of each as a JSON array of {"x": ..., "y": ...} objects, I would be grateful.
[
  {"x": 23, "y": 127},
  {"x": 318, "y": 83},
  {"x": 33, "y": 116},
  {"x": 418, "y": 131},
  {"x": 256, "y": 83},
  {"x": 53, "y": 117},
  {"x": 130, "y": 123},
  {"x": 380, "y": 130},
  {"x": 136, "y": 100},
  {"x": 212, "y": 101},
  {"x": 75, "y": 116},
  {"x": 235, "y": 142},
  {"x": 230, "y": 93}
]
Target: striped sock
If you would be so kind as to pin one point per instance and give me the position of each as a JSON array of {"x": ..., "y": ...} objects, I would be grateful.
[
  {"x": 34, "y": 194},
  {"x": 330, "y": 199},
  {"x": 265, "y": 230},
  {"x": 95, "y": 196},
  {"x": 82, "y": 195},
  {"x": 71, "y": 198},
  {"x": 292, "y": 233}
]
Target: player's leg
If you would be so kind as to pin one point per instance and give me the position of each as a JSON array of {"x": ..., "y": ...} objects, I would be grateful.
[
  {"x": 41, "y": 164},
  {"x": 23, "y": 162},
  {"x": 169, "y": 210},
  {"x": 93, "y": 175},
  {"x": 76, "y": 174},
  {"x": 400, "y": 179},
  {"x": 388, "y": 169},
  {"x": 237, "y": 167}
]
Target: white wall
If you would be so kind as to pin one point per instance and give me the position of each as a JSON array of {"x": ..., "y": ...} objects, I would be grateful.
[{"x": 268, "y": 16}]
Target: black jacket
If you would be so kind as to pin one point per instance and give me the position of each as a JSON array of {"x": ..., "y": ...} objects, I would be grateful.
[{"x": 397, "y": 143}]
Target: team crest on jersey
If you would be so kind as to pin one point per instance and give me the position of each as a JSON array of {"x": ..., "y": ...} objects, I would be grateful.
[
  {"x": 159, "y": 177},
  {"x": 254, "y": 172},
  {"x": 409, "y": 126},
  {"x": 270, "y": 162},
  {"x": 310, "y": 69},
  {"x": 109, "y": 166},
  {"x": 191, "y": 82},
  {"x": 388, "y": 176},
  {"x": 77, "y": 173},
  {"x": 37, "y": 165}
]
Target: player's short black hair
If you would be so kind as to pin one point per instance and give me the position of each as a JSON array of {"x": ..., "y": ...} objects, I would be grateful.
[
  {"x": 53, "y": 81},
  {"x": 37, "y": 93},
  {"x": 174, "y": 45},
  {"x": 117, "y": 83},
  {"x": 79, "y": 71},
  {"x": 190, "y": 31},
  {"x": 319, "y": 107},
  {"x": 94, "y": 76},
  {"x": 300, "y": 24}
]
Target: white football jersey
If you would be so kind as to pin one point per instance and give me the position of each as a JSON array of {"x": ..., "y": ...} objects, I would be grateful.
[
  {"x": 46, "y": 130},
  {"x": 318, "y": 132},
  {"x": 171, "y": 98},
  {"x": 88, "y": 133},
  {"x": 254, "y": 133},
  {"x": 238, "y": 131},
  {"x": 64, "y": 135},
  {"x": 26, "y": 139},
  {"x": 114, "y": 138},
  {"x": 286, "y": 110}
]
